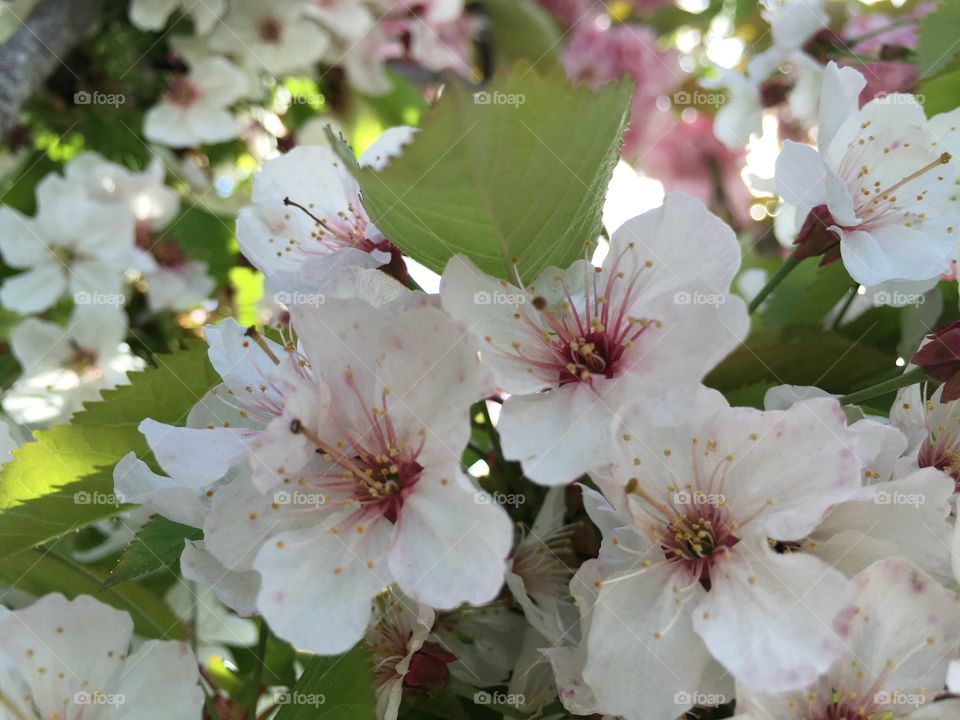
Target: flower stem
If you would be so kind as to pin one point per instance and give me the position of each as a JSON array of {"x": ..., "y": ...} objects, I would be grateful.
[
  {"x": 901, "y": 381},
  {"x": 788, "y": 265}
]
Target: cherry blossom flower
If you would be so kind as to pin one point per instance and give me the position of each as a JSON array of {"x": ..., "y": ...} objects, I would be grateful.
[
  {"x": 876, "y": 191},
  {"x": 700, "y": 564},
  {"x": 306, "y": 207},
  {"x": 195, "y": 109},
  {"x": 648, "y": 323},
  {"x": 63, "y": 367},
  {"x": 404, "y": 662},
  {"x": 153, "y": 14},
  {"x": 395, "y": 505},
  {"x": 932, "y": 427},
  {"x": 900, "y": 641},
  {"x": 71, "y": 659},
  {"x": 540, "y": 570},
  {"x": 73, "y": 243},
  {"x": 274, "y": 37}
]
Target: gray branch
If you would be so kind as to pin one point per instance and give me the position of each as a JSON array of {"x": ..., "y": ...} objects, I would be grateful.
[{"x": 38, "y": 46}]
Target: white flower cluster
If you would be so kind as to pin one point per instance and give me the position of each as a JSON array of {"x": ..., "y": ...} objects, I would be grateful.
[
  {"x": 791, "y": 558},
  {"x": 96, "y": 226},
  {"x": 239, "y": 43}
]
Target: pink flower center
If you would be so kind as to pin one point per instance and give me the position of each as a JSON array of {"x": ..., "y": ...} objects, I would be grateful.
[
  {"x": 182, "y": 92},
  {"x": 345, "y": 229},
  {"x": 270, "y": 30},
  {"x": 942, "y": 451},
  {"x": 581, "y": 340}
]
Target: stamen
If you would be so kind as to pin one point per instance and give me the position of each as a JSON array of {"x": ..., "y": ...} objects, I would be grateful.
[{"x": 255, "y": 335}]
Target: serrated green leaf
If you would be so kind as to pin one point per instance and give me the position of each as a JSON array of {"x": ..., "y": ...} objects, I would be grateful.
[
  {"x": 39, "y": 571},
  {"x": 800, "y": 356},
  {"x": 64, "y": 479},
  {"x": 520, "y": 176},
  {"x": 333, "y": 688},
  {"x": 156, "y": 546},
  {"x": 938, "y": 39}
]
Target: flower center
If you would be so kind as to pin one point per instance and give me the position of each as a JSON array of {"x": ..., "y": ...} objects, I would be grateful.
[
  {"x": 346, "y": 229},
  {"x": 269, "y": 30},
  {"x": 82, "y": 361},
  {"x": 182, "y": 92},
  {"x": 941, "y": 451}
]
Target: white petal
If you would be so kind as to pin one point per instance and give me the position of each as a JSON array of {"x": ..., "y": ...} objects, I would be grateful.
[
  {"x": 35, "y": 290},
  {"x": 775, "y": 621},
  {"x": 801, "y": 176},
  {"x": 166, "y": 670},
  {"x": 894, "y": 253},
  {"x": 196, "y": 457},
  {"x": 134, "y": 482},
  {"x": 452, "y": 542}
]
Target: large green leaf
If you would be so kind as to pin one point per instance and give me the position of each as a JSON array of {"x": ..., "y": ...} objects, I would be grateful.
[
  {"x": 800, "y": 356},
  {"x": 332, "y": 688},
  {"x": 941, "y": 93},
  {"x": 64, "y": 479},
  {"x": 517, "y": 174},
  {"x": 156, "y": 546},
  {"x": 938, "y": 40},
  {"x": 39, "y": 571}
]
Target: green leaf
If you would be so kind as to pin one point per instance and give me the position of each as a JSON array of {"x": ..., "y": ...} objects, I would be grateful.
[
  {"x": 522, "y": 30},
  {"x": 157, "y": 546},
  {"x": 39, "y": 571},
  {"x": 941, "y": 93},
  {"x": 800, "y": 356},
  {"x": 806, "y": 295},
  {"x": 938, "y": 39},
  {"x": 64, "y": 479},
  {"x": 333, "y": 688},
  {"x": 521, "y": 176}
]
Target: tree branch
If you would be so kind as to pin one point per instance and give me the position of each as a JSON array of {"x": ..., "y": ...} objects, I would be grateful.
[{"x": 42, "y": 42}]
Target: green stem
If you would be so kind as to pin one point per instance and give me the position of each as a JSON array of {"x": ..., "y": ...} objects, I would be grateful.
[
  {"x": 788, "y": 265},
  {"x": 471, "y": 693},
  {"x": 910, "y": 377},
  {"x": 851, "y": 296},
  {"x": 261, "y": 656}
]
